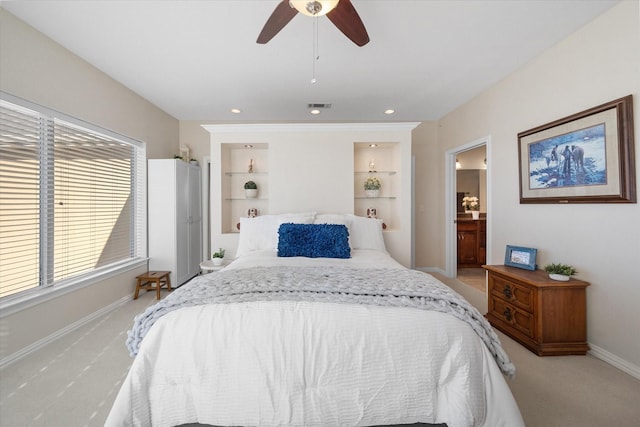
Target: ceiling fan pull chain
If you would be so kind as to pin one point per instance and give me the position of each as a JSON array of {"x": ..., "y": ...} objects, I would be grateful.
[{"x": 316, "y": 55}]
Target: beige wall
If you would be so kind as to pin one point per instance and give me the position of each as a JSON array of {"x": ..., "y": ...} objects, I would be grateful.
[
  {"x": 196, "y": 137},
  {"x": 37, "y": 69},
  {"x": 599, "y": 63},
  {"x": 428, "y": 196}
]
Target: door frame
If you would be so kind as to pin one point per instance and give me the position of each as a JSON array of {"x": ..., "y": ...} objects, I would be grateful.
[{"x": 451, "y": 242}]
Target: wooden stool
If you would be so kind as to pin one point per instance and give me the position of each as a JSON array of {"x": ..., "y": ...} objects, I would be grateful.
[{"x": 153, "y": 280}]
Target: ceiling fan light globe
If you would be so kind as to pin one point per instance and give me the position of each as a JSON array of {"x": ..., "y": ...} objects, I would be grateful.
[{"x": 314, "y": 8}]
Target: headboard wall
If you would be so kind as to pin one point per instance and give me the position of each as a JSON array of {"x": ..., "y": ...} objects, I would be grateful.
[{"x": 307, "y": 167}]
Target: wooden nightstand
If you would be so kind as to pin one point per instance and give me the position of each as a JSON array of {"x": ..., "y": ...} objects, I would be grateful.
[{"x": 546, "y": 316}]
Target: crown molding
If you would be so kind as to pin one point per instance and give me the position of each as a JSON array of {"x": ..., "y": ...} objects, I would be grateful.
[{"x": 311, "y": 127}]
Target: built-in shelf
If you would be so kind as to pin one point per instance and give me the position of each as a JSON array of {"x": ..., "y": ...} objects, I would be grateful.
[
  {"x": 374, "y": 198},
  {"x": 385, "y": 157},
  {"x": 375, "y": 172},
  {"x": 246, "y": 173},
  {"x": 236, "y": 159}
]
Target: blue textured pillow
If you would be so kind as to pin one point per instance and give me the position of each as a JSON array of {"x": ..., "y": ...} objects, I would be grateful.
[{"x": 313, "y": 240}]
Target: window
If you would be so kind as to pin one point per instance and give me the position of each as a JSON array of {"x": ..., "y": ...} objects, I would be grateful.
[{"x": 72, "y": 199}]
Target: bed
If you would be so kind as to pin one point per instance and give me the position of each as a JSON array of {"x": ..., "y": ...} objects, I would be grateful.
[{"x": 314, "y": 324}]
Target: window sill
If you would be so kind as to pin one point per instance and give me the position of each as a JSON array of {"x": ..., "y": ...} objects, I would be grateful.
[{"x": 14, "y": 304}]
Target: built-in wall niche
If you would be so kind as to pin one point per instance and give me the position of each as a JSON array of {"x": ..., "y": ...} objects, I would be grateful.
[
  {"x": 241, "y": 163},
  {"x": 381, "y": 161}
]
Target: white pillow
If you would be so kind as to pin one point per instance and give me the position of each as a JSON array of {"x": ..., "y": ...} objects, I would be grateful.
[
  {"x": 332, "y": 219},
  {"x": 339, "y": 219},
  {"x": 296, "y": 218},
  {"x": 366, "y": 233},
  {"x": 261, "y": 232}
]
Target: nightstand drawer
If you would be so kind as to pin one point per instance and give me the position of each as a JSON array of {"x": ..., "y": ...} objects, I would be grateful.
[
  {"x": 517, "y": 319},
  {"x": 513, "y": 293}
]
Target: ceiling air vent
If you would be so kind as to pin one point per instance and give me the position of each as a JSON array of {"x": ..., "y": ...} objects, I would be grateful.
[{"x": 325, "y": 106}]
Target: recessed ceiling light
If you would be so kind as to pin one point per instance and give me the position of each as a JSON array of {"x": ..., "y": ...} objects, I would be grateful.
[
  {"x": 236, "y": 110},
  {"x": 373, "y": 145},
  {"x": 248, "y": 146},
  {"x": 389, "y": 111},
  {"x": 314, "y": 111}
]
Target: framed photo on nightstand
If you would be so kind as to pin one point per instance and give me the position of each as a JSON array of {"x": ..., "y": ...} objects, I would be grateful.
[{"x": 520, "y": 257}]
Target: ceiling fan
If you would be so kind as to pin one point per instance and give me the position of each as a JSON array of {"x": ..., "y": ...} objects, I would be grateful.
[{"x": 340, "y": 12}]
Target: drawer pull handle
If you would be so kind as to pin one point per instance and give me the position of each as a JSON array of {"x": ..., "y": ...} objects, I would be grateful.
[
  {"x": 507, "y": 313},
  {"x": 507, "y": 292}
]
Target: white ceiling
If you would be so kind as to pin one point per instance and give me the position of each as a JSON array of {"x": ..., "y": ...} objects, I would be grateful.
[{"x": 198, "y": 59}]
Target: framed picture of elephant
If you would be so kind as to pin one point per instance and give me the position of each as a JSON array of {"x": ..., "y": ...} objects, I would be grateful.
[{"x": 587, "y": 157}]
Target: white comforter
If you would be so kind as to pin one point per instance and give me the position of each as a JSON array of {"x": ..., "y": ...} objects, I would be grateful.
[{"x": 312, "y": 364}]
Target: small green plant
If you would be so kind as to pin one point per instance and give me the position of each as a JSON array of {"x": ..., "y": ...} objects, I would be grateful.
[
  {"x": 250, "y": 185},
  {"x": 564, "y": 269},
  {"x": 219, "y": 254},
  {"x": 372, "y": 183}
]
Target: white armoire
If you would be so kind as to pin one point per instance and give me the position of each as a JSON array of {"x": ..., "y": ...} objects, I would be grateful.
[{"x": 175, "y": 218}]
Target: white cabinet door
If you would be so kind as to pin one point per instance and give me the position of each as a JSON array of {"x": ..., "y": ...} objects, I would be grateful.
[
  {"x": 162, "y": 216},
  {"x": 194, "y": 221},
  {"x": 183, "y": 195},
  {"x": 175, "y": 219}
]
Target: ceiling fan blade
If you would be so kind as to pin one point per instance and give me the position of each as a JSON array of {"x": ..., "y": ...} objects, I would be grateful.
[
  {"x": 280, "y": 17},
  {"x": 345, "y": 17}
]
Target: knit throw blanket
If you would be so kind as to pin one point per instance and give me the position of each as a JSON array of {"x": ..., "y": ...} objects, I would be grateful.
[{"x": 382, "y": 287}]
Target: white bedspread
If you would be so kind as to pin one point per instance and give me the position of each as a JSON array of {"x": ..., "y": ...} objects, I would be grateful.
[{"x": 300, "y": 363}]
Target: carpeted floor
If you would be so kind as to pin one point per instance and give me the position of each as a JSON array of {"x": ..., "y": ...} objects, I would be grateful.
[
  {"x": 474, "y": 277},
  {"x": 73, "y": 381}
]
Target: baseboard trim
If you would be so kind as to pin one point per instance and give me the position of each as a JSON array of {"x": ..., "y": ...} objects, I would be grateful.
[
  {"x": 612, "y": 359},
  {"x": 432, "y": 270},
  {"x": 12, "y": 358}
]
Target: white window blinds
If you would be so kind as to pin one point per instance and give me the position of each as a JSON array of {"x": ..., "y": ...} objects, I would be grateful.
[
  {"x": 91, "y": 212},
  {"x": 19, "y": 199},
  {"x": 72, "y": 200}
]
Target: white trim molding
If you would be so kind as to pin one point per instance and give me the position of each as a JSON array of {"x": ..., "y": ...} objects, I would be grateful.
[
  {"x": 613, "y": 360},
  {"x": 451, "y": 202},
  {"x": 310, "y": 127}
]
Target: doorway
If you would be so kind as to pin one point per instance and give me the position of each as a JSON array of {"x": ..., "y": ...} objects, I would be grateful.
[{"x": 467, "y": 175}]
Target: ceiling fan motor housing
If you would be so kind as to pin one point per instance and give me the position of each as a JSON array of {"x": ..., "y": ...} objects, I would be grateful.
[{"x": 313, "y": 8}]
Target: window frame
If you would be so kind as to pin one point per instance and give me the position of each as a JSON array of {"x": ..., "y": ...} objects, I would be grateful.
[{"x": 42, "y": 292}]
